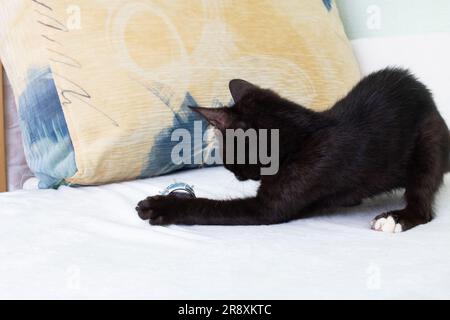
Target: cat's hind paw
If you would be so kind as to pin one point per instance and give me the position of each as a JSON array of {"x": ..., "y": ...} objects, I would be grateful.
[{"x": 386, "y": 223}]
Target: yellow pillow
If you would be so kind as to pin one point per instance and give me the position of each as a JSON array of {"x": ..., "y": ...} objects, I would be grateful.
[{"x": 125, "y": 71}]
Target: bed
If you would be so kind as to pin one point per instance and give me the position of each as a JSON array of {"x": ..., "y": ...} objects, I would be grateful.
[{"x": 88, "y": 243}]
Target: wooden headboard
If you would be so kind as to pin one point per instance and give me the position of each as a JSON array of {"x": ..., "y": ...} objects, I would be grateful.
[{"x": 2, "y": 136}]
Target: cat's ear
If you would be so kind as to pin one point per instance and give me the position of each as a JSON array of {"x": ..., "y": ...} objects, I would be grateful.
[
  {"x": 238, "y": 88},
  {"x": 218, "y": 117}
]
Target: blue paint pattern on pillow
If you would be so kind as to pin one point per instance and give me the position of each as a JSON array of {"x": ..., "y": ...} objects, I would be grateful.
[
  {"x": 159, "y": 158},
  {"x": 328, "y": 4},
  {"x": 46, "y": 137}
]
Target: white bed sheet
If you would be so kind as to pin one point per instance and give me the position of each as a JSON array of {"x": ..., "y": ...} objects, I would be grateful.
[{"x": 89, "y": 243}]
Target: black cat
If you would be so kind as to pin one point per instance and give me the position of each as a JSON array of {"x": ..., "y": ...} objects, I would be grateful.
[{"x": 385, "y": 134}]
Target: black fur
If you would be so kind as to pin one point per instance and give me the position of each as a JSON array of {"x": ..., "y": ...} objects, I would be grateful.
[{"x": 385, "y": 134}]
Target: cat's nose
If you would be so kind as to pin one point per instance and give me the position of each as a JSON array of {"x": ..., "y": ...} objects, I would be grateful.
[{"x": 241, "y": 178}]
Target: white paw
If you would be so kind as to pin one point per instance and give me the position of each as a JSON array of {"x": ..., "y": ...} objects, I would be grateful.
[{"x": 386, "y": 225}]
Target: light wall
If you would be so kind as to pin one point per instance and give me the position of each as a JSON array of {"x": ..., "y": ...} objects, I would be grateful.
[{"x": 377, "y": 18}]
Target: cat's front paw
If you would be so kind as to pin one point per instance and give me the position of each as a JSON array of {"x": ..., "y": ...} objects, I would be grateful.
[{"x": 159, "y": 210}]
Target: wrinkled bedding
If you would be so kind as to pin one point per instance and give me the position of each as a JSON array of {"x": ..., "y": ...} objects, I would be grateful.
[{"x": 89, "y": 243}]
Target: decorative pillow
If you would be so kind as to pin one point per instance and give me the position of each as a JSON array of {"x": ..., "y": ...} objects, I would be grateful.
[
  {"x": 17, "y": 168},
  {"x": 46, "y": 139},
  {"x": 125, "y": 72}
]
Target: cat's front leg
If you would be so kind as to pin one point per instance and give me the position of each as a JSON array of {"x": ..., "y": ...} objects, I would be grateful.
[
  {"x": 165, "y": 210},
  {"x": 280, "y": 200}
]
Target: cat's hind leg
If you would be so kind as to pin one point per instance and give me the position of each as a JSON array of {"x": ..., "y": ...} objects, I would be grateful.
[{"x": 425, "y": 175}]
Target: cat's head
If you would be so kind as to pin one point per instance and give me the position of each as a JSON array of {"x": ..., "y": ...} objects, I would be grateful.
[{"x": 255, "y": 109}]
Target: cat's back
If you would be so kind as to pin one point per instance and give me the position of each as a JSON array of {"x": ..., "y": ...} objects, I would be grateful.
[
  {"x": 387, "y": 95},
  {"x": 379, "y": 120}
]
